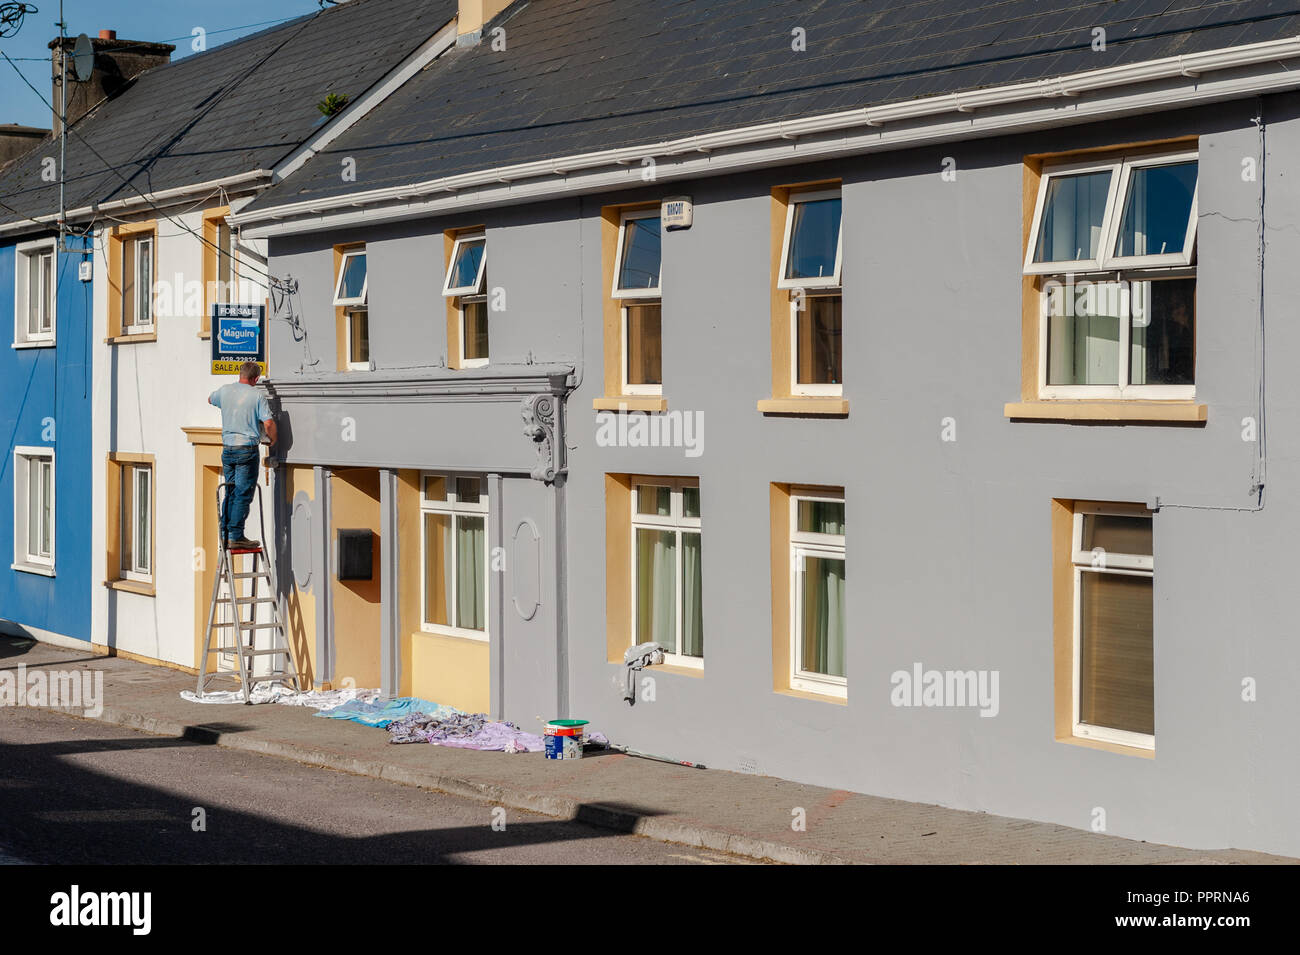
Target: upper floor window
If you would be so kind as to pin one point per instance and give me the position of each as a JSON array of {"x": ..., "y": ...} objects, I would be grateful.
[
  {"x": 137, "y": 283},
  {"x": 811, "y": 262},
  {"x": 466, "y": 288},
  {"x": 36, "y": 288},
  {"x": 636, "y": 289},
  {"x": 351, "y": 291},
  {"x": 1112, "y": 254}
]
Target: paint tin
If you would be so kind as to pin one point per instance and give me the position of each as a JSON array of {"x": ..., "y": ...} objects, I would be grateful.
[{"x": 562, "y": 739}]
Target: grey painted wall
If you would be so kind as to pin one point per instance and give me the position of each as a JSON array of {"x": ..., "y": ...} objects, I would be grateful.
[{"x": 949, "y": 547}]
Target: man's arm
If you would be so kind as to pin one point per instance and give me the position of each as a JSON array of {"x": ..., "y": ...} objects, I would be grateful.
[{"x": 269, "y": 425}]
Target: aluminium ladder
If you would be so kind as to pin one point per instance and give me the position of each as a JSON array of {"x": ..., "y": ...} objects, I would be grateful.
[{"x": 227, "y": 593}]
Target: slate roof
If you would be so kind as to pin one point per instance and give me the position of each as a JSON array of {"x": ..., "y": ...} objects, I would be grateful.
[
  {"x": 587, "y": 75},
  {"x": 236, "y": 108}
]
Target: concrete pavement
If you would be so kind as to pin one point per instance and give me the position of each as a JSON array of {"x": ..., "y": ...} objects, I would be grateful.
[{"x": 729, "y": 812}]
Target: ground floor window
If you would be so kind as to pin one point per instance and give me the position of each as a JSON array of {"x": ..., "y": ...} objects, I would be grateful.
[
  {"x": 34, "y": 507},
  {"x": 454, "y": 554},
  {"x": 136, "y": 522},
  {"x": 1114, "y": 682},
  {"x": 668, "y": 605},
  {"x": 817, "y": 561}
]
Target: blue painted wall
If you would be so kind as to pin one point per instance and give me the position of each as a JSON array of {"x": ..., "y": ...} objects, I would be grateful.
[{"x": 45, "y": 393}]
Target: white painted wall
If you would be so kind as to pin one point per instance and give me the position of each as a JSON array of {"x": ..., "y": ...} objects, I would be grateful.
[{"x": 144, "y": 394}]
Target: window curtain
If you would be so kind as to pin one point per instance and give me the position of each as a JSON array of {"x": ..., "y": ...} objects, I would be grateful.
[
  {"x": 823, "y": 616},
  {"x": 471, "y": 569},
  {"x": 1116, "y": 667},
  {"x": 656, "y": 598},
  {"x": 692, "y": 602}
]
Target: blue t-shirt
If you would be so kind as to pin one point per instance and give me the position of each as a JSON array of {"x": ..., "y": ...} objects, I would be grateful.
[{"x": 243, "y": 409}]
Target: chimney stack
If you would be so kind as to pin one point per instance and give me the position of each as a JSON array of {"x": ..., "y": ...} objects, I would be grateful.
[
  {"x": 471, "y": 16},
  {"x": 117, "y": 63}
]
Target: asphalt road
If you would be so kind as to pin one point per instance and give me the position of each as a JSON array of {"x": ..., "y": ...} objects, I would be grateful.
[{"x": 75, "y": 791}]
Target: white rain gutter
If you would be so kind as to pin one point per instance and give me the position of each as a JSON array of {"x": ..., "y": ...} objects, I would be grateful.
[
  {"x": 1020, "y": 107},
  {"x": 136, "y": 203}
]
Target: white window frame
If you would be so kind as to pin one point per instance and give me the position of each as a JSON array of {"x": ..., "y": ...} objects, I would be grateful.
[
  {"x": 1133, "y": 565},
  {"x": 1124, "y": 368},
  {"x": 1121, "y": 170},
  {"x": 24, "y": 559},
  {"x": 825, "y": 281},
  {"x": 677, "y": 522},
  {"x": 797, "y": 387},
  {"x": 618, "y": 291},
  {"x": 628, "y": 388},
  {"x": 134, "y": 572},
  {"x": 24, "y": 337},
  {"x": 450, "y": 291},
  {"x": 231, "y": 293},
  {"x": 454, "y": 508},
  {"x": 461, "y": 302},
  {"x": 142, "y": 324},
  {"x": 352, "y": 304},
  {"x": 807, "y": 544}
]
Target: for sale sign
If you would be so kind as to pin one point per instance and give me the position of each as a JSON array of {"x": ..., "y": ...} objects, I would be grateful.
[{"x": 238, "y": 335}]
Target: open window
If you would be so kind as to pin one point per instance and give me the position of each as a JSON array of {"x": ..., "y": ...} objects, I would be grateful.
[
  {"x": 636, "y": 289},
  {"x": 812, "y": 250},
  {"x": 1111, "y": 257},
  {"x": 36, "y": 293},
  {"x": 465, "y": 288},
  {"x": 351, "y": 294}
]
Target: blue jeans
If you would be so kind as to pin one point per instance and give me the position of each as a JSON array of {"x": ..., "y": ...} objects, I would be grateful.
[{"x": 238, "y": 468}]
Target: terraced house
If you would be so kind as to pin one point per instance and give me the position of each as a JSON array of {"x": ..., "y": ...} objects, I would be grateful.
[
  {"x": 912, "y": 374},
  {"x": 106, "y": 392}
]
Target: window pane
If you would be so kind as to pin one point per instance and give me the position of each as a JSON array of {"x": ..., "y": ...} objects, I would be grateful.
[
  {"x": 692, "y": 598},
  {"x": 435, "y": 488},
  {"x": 128, "y": 284},
  {"x": 464, "y": 270},
  {"x": 1083, "y": 334},
  {"x": 821, "y": 517},
  {"x": 34, "y": 506},
  {"x": 144, "y": 282},
  {"x": 1164, "y": 332},
  {"x": 652, "y": 499},
  {"x": 644, "y": 354},
  {"x": 476, "y": 330},
  {"x": 471, "y": 571},
  {"x": 126, "y": 520},
  {"x": 359, "y": 332},
  {"x": 819, "y": 340},
  {"x": 1116, "y": 670},
  {"x": 1117, "y": 534},
  {"x": 1157, "y": 209},
  {"x": 1072, "y": 214},
  {"x": 822, "y": 621},
  {"x": 437, "y": 568},
  {"x": 656, "y": 597},
  {"x": 468, "y": 490},
  {"x": 47, "y": 511},
  {"x": 224, "y": 263},
  {"x": 33, "y": 294},
  {"x": 814, "y": 239},
  {"x": 641, "y": 254},
  {"x": 47, "y": 291},
  {"x": 142, "y": 516},
  {"x": 690, "y": 502},
  {"x": 354, "y": 276}
]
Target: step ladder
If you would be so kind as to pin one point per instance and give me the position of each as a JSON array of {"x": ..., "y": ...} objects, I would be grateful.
[{"x": 244, "y": 624}]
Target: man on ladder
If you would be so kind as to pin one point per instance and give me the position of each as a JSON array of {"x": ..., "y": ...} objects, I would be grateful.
[{"x": 244, "y": 413}]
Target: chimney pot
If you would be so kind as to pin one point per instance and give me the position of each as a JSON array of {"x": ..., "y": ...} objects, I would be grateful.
[{"x": 108, "y": 34}]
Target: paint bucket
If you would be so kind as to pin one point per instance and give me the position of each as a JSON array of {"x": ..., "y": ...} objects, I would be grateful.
[{"x": 562, "y": 739}]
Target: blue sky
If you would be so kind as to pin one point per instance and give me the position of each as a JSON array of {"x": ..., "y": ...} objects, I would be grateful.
[{"x": 170, "y": 21}]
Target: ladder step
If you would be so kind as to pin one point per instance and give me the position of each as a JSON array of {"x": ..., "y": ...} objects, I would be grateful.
[
  {"x": 250, "y": 652},
  {"x": 263, "y": 574},
  {"x": 271, "y": 625},
  {"x": 244, "y": 601}
]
